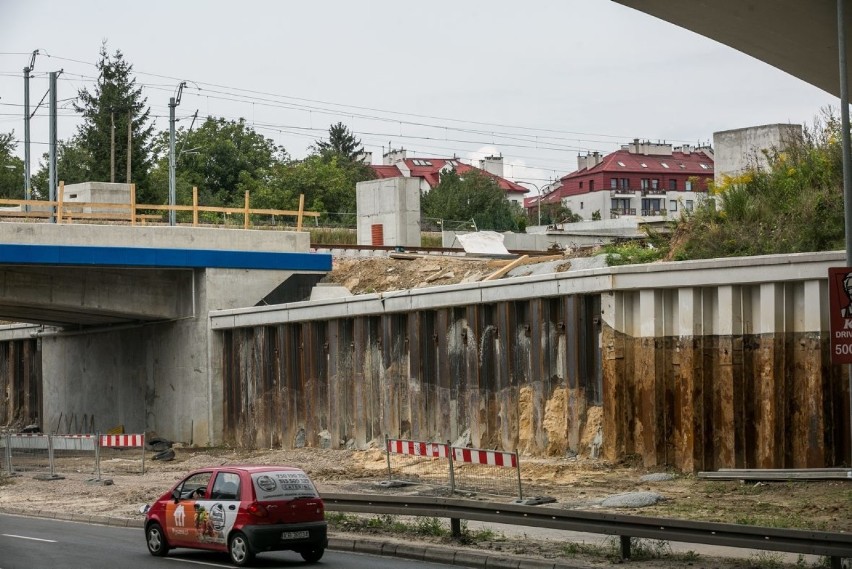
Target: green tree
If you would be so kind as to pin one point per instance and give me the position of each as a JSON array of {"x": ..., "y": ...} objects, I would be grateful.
[
  {"x": 114, "y": 98},
  {"x": 222, "y": 158},
  {"x": 11, "y": 168},
  {"x": 795, "y": 205},
  {"x": 472, "y": 196},
  {"x": 553, "y": 214},
  {"x": 328, "y": 187},
  {"x": 73, "y": 165},
  {"x": 341, "y": 143}
]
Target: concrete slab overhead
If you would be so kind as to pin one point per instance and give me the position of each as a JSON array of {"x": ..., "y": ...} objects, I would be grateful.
[{"x": 794, "y": 36}]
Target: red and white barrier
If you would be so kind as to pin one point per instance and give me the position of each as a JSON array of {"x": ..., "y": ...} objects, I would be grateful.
[
  {"x": 485, "y": 457},
  {"x": 122, "y": 441},
  {"x": 416, "y": 448}
]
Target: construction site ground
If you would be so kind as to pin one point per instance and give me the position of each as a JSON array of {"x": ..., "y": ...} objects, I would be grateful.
[{"x": 575, "y": 483}]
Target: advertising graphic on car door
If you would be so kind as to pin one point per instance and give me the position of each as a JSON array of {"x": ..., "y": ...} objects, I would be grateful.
[{"x": 204, "y": 520}]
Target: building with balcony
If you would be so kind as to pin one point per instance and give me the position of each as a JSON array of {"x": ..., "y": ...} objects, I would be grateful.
[{"x": 641, "y": 179}]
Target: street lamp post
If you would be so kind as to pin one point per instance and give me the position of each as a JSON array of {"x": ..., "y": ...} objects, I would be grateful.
[{"x": 538, "y": 200}]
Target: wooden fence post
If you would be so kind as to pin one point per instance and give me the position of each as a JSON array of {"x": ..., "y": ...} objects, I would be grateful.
[
  {"x": 194, "y": 206},
  {"x": 132, "y": 204},
  {"x": 61, "y": 197},
  {"x": 246, "y": 214},
  {"x": 301, "y": 209}
]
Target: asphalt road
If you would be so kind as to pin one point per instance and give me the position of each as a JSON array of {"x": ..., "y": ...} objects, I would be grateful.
[{"x": 38, "y": 543}]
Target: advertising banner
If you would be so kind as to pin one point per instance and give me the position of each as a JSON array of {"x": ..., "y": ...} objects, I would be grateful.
[{"x": 840, "y": 306}]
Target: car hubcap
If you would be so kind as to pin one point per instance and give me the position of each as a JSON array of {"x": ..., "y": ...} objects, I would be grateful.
[
  {"x": 238, "y": 549},
  {"x": 154, "y": 540}
]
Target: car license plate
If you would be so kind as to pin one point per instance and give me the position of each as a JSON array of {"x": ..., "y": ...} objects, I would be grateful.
[{"x": 295, "y": 535}]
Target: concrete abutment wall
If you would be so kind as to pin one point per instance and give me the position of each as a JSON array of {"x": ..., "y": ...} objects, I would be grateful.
[
  {"x": 481, "y": 372},
  {"x": 697, "y": 366}
]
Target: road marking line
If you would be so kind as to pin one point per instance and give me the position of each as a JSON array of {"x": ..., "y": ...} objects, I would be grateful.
[
  {"x": 25, "y": 537},
  {"x": 196, "y": 562}
]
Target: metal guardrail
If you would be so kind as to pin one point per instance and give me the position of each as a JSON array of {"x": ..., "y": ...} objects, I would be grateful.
[
  {"x": 829, "y": 544},
  {"x": 777, "y": 474}
]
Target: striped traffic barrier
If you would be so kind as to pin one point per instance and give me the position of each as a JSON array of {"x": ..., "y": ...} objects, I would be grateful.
[
  {"x": 485, "y": 457},
  {"x": 119, "y": 442},
  {"x": 487, "y": 481},
  {"x": 417, "y": 461},
  {"x": 418, "y": 448}
]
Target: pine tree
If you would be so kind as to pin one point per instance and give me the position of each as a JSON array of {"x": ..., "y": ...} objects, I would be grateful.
[
  {"x": 114, "y": 99},
  {"x": 340, "y": 143}
]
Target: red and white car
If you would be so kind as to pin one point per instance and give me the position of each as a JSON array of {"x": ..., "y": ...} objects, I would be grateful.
[{"x": 244, "y": 510}]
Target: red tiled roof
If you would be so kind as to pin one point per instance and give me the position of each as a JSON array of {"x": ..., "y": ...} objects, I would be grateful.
[
  {"x": 430, "y": 170},
  {"x": 386, "y": 171},
  {"x": 678, "y": 162},
  {"x": 621, "y": 162}
]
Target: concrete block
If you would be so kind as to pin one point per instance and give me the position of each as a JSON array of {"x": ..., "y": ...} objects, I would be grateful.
[
  {"x": 417, "y": 552},
  {"x": 502, "y": 563},
  {"x": 470, "y": 559},
  {"x": 440, "y": 555},
  {"x": 341, "y": 544},
  {"x": 367, "y": 546}
]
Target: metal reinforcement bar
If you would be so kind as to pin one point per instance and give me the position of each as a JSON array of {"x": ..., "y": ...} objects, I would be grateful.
[
  {"x": 830, "y": 544},
  {"x": 778, "y": 474}
]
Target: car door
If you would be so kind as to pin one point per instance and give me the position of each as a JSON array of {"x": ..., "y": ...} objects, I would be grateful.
[
  {"x": 186, "y": 515},
  {"x": 221, "y": 507}
]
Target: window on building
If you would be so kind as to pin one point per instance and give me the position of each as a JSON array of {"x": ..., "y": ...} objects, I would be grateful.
[
  {"x": 643, "y": 165},
  {"x": 688, "y": 186},
  {"x": 664, "y": 165},
  {"x": 620, "y": 163},
  {"x": 688, "y": 205},
  {"x": 643, "y": 183},
  {"x": 705, "y": 166},
  {"x": 673, "y": 185},
  {"x": 625, "y": 184},
  {"x": 591, "y": 185},
  {"x": 613, "y": 183},
  {"x": 581, "y": 184},
  {"x": 655, "y": 184},
  {"x": 581, "y": 205},
  {"x": 672, "y": 205}
]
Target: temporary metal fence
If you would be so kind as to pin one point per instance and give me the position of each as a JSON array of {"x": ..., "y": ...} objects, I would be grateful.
[
  {"x": 417, "y": 461},
  {"x": 87, "y": 454},
  {"x": 457, "y": 468},
  {"x": 121, "y": 454},
  {"x": 74, "y": 453},
  {"x": 28, "y": 452},
  {"x": 486, "y": 471}
]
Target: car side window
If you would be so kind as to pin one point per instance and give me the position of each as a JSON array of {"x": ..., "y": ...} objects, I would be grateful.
[
  {"x": 226, "y": 486},
  {"x": 195, "y": 486}
]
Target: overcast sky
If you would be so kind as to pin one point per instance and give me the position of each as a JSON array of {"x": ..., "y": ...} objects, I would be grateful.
[{"x": 535, "y": 81}]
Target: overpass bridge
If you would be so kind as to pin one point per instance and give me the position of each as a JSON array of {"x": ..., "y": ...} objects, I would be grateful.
[{"x": 118, "y": 317}]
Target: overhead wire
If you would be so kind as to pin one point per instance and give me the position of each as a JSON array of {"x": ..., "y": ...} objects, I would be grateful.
[{"x": 542, "y": 139}]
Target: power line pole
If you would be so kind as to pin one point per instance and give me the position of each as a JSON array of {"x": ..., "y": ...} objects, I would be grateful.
[
  {"x": 846, "y": 143},
  {"x": 129, "y": 141},
  {"x": 27, "y": 71},
  {"x": 173, "y": 103},
  {"x": 52, "y": 145},
  {"x": 112, "y": 146}
]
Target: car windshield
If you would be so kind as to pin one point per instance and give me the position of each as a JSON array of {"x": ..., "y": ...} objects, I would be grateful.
[{"x": 283, "y": 485}]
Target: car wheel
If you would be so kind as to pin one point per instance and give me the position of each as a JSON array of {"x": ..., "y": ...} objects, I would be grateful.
[
  {"x": 240, "y": 550},
  {"x": 156, "y": 540},
  {"x": 312, "y": 554}
]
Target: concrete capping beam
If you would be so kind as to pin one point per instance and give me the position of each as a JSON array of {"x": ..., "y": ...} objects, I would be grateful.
[
  {"x": 10, "y": 332},
  {"x": 702, "y": 275}
]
